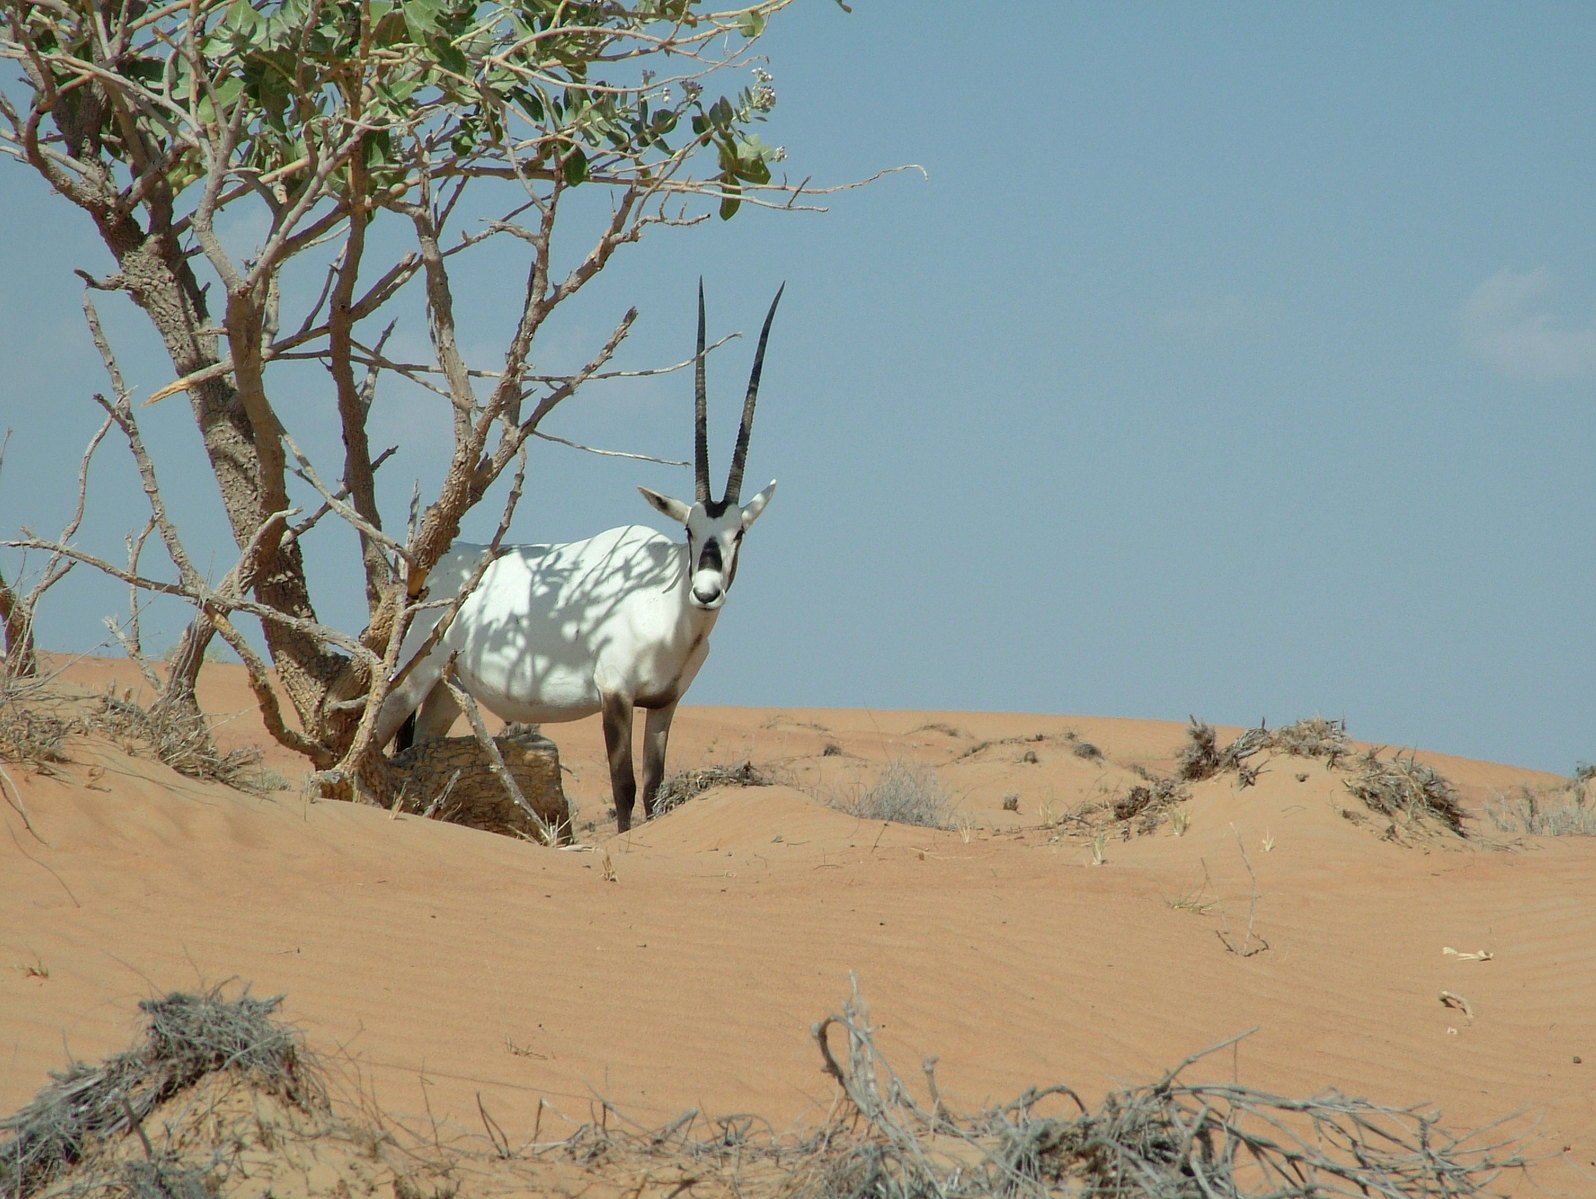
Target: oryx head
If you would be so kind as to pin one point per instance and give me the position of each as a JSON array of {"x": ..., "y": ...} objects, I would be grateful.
[{"x": 715, "y": 528}]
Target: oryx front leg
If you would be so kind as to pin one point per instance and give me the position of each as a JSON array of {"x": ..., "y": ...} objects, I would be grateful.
[
  {"x": 656, "y": 732},
  {"x": 617, "y": 716}
]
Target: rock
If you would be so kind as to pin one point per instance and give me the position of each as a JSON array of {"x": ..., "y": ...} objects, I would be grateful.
[{"x": 451, "y": 778}]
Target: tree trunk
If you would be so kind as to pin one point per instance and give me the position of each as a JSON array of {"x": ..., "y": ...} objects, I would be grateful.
[
  {"x": 20, "y": 660},
  {"x": 165, "y": 288}
]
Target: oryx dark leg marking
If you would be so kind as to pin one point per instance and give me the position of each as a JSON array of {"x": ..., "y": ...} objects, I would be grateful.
[
  {"x": 656, "y": 732},
  {"x": 618, "y": 743}
]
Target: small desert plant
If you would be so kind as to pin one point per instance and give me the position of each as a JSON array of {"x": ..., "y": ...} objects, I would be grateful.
[
  {"x": 903, "y": 794},
  {"x": 1099, "y": 848},
  {"x": 1199, "y": 757},
  {"x": 1406, "y": 789},
  {"x": 687, "y": 785},
  {"x": 1086, "y": 750},
  {"x": 940, "y": 726}
]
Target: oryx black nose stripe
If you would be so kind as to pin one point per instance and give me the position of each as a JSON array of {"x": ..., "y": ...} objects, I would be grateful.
[{"x": 710, "y": 559}]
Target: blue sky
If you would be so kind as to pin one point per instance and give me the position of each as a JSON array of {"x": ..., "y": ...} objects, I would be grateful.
[{"x": 1233, "y": 360}]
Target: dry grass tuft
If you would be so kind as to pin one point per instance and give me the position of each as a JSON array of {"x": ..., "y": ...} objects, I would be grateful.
[
  {"x": 186, "y": 1038},
  {"x": 943, "y": 727},
  {"x": 1405, "y": 789},
  {"x": 903, "y": 794},
  {"x": 32, "y": 736},
  {"x": 1561, "y": 810},
  {"x": 35, "y": 721},
  {"x": 180, "y": 740},
  {"x": 687, "y": 785}
]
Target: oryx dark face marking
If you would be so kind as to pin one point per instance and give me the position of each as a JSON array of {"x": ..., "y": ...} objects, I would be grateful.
[
  {"x": 713, "y": 542},
  {"x": 710, "y": 558}
]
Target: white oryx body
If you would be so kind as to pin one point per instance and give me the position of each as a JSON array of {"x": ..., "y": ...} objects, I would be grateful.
[{"x": 615, "y": 622}]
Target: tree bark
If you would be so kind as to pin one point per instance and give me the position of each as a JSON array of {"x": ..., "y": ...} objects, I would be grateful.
[{"x": 20, "y": 661}]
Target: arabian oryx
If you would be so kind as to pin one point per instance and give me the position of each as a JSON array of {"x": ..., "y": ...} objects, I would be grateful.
[{"x": 621, "y": 620}]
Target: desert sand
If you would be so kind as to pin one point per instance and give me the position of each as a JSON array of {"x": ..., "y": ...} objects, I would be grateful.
[{"x": 448, "y": 971}]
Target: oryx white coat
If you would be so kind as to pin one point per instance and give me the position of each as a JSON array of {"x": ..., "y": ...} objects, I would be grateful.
[{"x": 612, "y": 623}]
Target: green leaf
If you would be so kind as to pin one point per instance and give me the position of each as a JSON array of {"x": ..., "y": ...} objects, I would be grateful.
[
  {"x": 242, "y": 18},
  {"x": 751, "y": 24},
  {"x": 421, "y": 18},
  {"x": 376, "y": 149},
  {"x": 575, "y": 167},
  {"x": 731, "y": 201},
  {"x": 451, "y": 59}
]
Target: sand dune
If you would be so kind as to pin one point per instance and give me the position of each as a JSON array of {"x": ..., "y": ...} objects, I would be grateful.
[{"x": 445, "y": 966}]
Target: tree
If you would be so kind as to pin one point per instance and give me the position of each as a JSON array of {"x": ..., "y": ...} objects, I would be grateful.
[{"x": 349, "y": 128}]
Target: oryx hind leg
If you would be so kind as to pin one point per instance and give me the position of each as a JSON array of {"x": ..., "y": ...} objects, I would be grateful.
[
  {"x": 437, "y": 713},
  {"x": 404, "y": 699}
]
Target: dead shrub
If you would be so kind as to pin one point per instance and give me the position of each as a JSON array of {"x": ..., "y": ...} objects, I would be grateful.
[
  {"x": 186, "y": 1038},
  {"x": 1148, "y": 800},
  {"x": 181, "y": 740},
  {"x": 1405, "y": 789},
  {"x": 1201, "y": 758},
  {"x": 1166, "y": 1140},
  {"x": 686, "y": 785},
  {"x": 1314, "y": 737}
]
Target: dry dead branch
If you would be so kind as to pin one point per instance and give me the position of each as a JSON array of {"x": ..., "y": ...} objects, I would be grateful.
[{"x": 1170, "y": 1139}]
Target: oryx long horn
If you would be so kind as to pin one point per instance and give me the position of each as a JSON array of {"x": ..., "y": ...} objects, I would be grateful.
[
  {"x": 734, "y": 479},
  {"x": 700, "y": 413}
]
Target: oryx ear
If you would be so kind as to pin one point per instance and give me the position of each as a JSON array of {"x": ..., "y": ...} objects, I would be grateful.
[
  {"x": 674, "y": 509},
  {"x": 755, "y": 506}
]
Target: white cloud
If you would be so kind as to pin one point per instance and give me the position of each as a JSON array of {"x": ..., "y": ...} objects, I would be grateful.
[{"x": 1510, "y": 322}]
